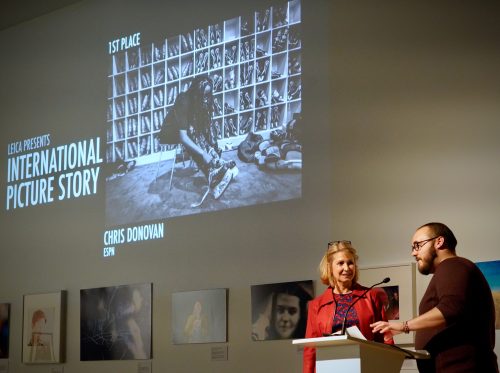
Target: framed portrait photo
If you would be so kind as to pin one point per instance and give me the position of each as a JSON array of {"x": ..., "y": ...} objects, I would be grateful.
[
  {"x": 279, "y": 310},
  {"x": 43, "y": 328},
  {"x": 398, "y": 294}
]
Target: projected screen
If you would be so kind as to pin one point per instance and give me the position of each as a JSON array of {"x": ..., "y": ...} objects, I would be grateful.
[
  {"x": 200, "y": 120},
  {"x": 206, "y": 119}
]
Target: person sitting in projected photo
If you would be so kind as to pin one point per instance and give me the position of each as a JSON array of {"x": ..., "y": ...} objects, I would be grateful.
[
  {"x": 326, "y": 313},
  {"x": 189, "y": 123}
]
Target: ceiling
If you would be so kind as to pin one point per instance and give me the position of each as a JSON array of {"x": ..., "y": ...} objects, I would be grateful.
[{"x": 14, "y": 12}]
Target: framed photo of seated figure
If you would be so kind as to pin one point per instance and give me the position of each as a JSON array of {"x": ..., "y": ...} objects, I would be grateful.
[
  {"x": 43, "y": 323},
  {"x": 398, "y": 294},
  {"x": 199, "y": 316}
]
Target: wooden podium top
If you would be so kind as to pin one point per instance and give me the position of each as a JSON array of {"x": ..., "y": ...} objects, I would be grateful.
[{"x": 339, "y": 340}]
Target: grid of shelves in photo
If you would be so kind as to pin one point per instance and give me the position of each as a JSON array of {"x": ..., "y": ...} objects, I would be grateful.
[{"x": 254, "y": 61}]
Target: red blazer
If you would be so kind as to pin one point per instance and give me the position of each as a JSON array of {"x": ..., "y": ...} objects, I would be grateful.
[{"x": 320, "y": 319}]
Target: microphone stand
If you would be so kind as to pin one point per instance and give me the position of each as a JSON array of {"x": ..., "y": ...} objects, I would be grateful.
[{"x": 344, "y": 321}]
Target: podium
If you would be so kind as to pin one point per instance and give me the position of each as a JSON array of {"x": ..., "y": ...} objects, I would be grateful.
[{"x": 345, "y": 353}]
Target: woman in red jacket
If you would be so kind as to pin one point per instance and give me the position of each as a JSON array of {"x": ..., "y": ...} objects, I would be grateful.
[{"x": 338, "y": 269}]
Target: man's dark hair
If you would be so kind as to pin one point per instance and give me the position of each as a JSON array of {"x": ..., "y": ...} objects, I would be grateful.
[{"x": 440, "y": 229}]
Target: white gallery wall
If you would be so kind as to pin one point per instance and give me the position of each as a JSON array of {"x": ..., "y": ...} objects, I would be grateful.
[{"x": 400, "y": 102}]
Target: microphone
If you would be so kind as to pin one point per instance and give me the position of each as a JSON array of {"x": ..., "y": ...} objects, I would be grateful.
[{"x": 344, "y": 322}]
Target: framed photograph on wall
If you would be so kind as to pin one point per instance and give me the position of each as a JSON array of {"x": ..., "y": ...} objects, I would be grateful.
[
  {"x": 4, "y": 330},
  {"x": 199, "y": 316},
  {"x": 399, "y": 293},
  {"x": 115, "y": 322},
  {"x": 43, "y": 328},
  {"x": 491, "y": 271},
  {"x": 279, "y": 310}
]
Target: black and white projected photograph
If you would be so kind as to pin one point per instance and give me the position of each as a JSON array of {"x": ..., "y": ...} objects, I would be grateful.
[
  {"x": 115, "y": 323},
  {"x": 207, "y": 119},
  {"x": 199, "y": 316},
  {"x": 279, "y": 311}
]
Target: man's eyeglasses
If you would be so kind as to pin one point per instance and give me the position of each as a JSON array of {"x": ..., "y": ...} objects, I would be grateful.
[
  {"x": 419, "y": 244},
  {"x": 331, "y": 243}
]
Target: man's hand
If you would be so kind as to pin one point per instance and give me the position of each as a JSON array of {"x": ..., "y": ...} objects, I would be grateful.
[{"x": 387, "y": 329}]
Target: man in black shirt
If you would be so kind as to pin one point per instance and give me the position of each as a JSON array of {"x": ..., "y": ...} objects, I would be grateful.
[{"x": 456, "y": 324}]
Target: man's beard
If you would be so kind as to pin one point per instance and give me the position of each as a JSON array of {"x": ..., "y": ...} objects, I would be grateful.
[
  {"x": 425, "y": 270},
  {"x": 425, "y": 267}
]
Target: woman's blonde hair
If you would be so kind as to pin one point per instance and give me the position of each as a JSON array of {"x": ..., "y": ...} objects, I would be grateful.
[{"x": 325, "y": 266}]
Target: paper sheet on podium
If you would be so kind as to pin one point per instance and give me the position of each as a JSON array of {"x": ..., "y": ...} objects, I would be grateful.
[{"x": 353, "y": 331}]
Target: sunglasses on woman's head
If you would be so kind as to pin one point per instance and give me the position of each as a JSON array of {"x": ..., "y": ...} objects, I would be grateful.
[{"x": 331, "y": 243}]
